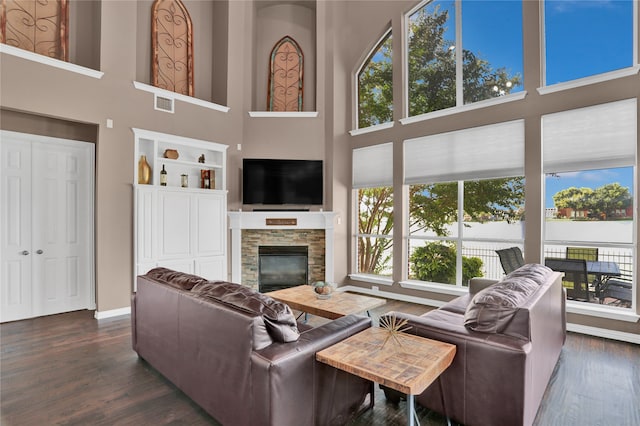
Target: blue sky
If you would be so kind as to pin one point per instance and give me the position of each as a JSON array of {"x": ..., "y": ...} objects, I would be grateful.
[{"x": 582, "y": 37}]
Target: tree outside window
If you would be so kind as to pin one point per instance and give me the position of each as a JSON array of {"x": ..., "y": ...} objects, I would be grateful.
[
  {"x": 375, "y": 228},
  {"x": 442, "y": 231},
  {"x": 432, "y": 45},
  {"x": 375, "y": 88}
]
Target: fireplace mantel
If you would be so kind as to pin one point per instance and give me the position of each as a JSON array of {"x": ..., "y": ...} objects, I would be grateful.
[{"x": 292, "y": 220}]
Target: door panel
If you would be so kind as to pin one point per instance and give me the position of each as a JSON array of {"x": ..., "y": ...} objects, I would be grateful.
[
  {"x": 175, "y": 219},
  {"x": 47, "y": 212},
  {"x": 60, "y": 229},
  {"x": 15, "y": 249},
  {"x": 209, "y": 233}
]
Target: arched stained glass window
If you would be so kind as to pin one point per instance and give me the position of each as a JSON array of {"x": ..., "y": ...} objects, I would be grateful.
[
  {"x": 285, "y": 76},
  {"x": 37, "y": 26},
  {"x": 172, "y": 47}
]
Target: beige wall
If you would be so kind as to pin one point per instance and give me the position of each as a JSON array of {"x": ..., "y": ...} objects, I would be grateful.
[{"x": 228, "y": 70}]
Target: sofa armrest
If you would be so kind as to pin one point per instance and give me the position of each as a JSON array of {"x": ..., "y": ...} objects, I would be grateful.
[
  {"x": 477, "y": 284},
  {"x": 287, "y": 372}
]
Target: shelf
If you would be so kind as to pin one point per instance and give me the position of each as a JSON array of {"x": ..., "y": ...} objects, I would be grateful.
[
  {"x": 179, "y": 188},
  {"x": 189, "y": 163}
]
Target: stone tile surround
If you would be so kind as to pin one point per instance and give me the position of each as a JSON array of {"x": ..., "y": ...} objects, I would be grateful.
[
  {"x": 249, "y": 230},
  {"x": 314, "y": 239}
]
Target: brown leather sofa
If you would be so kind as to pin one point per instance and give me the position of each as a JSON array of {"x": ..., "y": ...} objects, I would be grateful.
[
  {"x": 509, "y": 335},
  {"x": 240, "y": 355}
]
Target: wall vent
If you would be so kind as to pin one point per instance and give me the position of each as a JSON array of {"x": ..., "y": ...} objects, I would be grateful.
[{"x": 162, "y": 103}]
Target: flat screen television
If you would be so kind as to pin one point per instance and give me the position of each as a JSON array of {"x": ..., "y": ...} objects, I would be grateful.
[{"x": 278, "y": 182}]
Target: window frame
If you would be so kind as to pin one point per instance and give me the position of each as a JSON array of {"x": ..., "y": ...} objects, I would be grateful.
[
  {"x": 633, "y": 69},
  {"x": 460, "y": 106},
  {"x": 356, "y": 84}
]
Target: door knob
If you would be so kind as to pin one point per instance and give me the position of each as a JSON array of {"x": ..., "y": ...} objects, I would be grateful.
[
  {"x": 39, "y": 252},
  {"x": 24, "y": 253}
]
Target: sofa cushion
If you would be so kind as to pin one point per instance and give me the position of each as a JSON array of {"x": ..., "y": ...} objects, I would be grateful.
[
  {"x": 278, "y": 317},
  {"x": 179, "y": 280},
  {"x": 534, "y": 271},
  {"x": 491, "y": 309}
]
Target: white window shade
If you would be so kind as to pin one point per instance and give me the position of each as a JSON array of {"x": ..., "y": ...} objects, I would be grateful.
[
  {"x": 597, "y": 137},
  {"x": 373, "y": 166},
  {"x": 486, "y": 152}
]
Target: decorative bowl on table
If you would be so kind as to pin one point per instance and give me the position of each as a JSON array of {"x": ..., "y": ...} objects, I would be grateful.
[{"x": 323, "y": 289}]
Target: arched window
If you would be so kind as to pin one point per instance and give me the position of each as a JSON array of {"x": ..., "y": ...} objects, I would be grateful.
[
  {"x": 36, "y": 26},
  {"x": 375, "y": 86},
  {"x": 285, "y": 76},
  {"x": 172, "y": 47}
]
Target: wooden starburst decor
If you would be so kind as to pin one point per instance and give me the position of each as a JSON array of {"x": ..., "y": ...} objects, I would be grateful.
[{"x": 394, "y": 327}]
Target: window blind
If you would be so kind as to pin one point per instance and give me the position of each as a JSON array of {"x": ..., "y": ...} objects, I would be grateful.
[
  {"x": 485, "y": 152},
  {"x": 596, "y": 137},
  {"x": 373, "y": 166}
]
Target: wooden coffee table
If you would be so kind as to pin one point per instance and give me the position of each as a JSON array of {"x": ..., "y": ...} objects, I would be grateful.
[
  {"x": 303, "y": 298},
  {"x": 408, "y": 367}
]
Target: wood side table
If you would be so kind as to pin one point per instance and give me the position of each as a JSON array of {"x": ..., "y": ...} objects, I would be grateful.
[
  {"x": 409, "y": 366},
  {"x": 303, "y": 298}
]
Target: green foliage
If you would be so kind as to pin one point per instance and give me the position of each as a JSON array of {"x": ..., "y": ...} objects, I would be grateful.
[
  {"x": 606, "y": 199},
  {"x": 375, "y": 217},
  {"x": 573, "y": 198},
  {"x": 601, "y": 202},
  {"x": 431, "y": 73},
  {"x": 434, "y": 206},
  {"x": 432, "y": 67},
  {"x": 375, "y": 89},
  {"x": 436, "y": 262}
]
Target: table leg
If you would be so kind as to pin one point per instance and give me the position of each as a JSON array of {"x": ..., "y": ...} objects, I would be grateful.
[
  {"x": 412, "y": 416},
  {"x": 444, "y": 407}
]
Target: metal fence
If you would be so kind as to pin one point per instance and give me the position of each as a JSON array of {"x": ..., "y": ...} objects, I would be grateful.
[{"x": 492, "y": 268}]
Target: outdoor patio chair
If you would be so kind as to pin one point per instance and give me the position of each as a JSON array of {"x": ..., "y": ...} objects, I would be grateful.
[
  {"x": 575, "y": 276},
  {"x": 586, "y": 253},
  {"x": 511, "y": 259},
  {"x": 618, "y": 289}
]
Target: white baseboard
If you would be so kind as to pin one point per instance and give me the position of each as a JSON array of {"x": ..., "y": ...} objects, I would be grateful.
[
  {"x": 604, "y": 332},
  {"x": 576, "y": 328},
  {"x": 112, "y": 313}
]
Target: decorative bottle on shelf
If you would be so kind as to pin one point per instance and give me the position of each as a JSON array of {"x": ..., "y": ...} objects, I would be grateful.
[
  {"x": 144, "y": 171},
  {"x": 163, "y": 177}
]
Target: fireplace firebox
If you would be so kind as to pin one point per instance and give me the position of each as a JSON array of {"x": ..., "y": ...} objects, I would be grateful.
[{"x": 282, "y": 267}]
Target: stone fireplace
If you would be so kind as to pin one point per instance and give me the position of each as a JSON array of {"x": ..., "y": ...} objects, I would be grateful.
[{"x": 287, "y": 232}]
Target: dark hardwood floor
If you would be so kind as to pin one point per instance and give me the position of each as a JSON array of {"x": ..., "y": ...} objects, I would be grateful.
[{"x": 74, "y": 370}]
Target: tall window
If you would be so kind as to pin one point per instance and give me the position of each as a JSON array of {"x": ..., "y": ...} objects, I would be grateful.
[
  {"x": 466, "y": 200},
  {"x": 584, "y": 38},
  {"x": 589, "y": 160},
  {"x": 372, "y": 183},
  {"x": 375, "y": 86},
  {"x": 172, "y": 47},
  {"x": 444, "y": 71},
  {"x": 285, "y": 76},
  {"x": 37, "y": 26}
]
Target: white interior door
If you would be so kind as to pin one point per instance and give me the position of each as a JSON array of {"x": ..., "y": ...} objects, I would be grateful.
[
  {"x": 56, "y": 218},
  {"x": 15, "y": 248}
]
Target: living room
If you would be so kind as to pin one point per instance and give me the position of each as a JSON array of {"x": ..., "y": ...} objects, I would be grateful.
[{"x": 105, "y": 91}]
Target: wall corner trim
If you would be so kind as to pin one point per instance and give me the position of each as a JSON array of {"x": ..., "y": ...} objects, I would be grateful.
[{"x": 112, "y": 313}]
